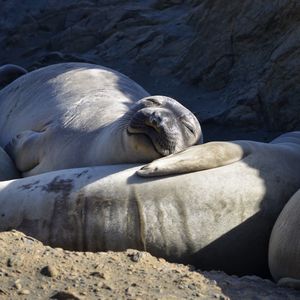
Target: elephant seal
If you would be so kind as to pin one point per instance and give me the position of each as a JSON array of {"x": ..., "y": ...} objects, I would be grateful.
[
  {"x": 9, "y": 73},
  {"x": 219, "y": 218},
  {"x": 77, "y": 114},
  {"x": 284, "y": 245}
]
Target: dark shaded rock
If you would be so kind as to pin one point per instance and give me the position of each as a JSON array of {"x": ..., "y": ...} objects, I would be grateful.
[
  {"x": 49, "y": 271},
  {"x": 253, "y": 49},
  {"x": 233, "y": 63},
  {"x": 64, "y": 296}
]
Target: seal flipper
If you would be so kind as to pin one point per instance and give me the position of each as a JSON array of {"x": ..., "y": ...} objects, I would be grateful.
[
  {"x": 197, "y": 158},
  {"x": 24, "y": 149}
]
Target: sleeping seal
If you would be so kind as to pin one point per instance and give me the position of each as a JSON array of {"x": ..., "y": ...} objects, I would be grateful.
[{"x": 77, "y": 114}]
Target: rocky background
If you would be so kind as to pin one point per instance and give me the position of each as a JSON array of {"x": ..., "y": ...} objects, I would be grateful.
[{"x": 235, "y": 64}]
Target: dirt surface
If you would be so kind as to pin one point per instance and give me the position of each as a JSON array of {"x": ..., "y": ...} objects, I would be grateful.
[{"x": 30, "y": 270}]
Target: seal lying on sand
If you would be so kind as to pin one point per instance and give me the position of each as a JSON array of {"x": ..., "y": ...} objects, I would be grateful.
[
  {"x": 76, "y": 114},
  {"x": 215, "y": 219}
]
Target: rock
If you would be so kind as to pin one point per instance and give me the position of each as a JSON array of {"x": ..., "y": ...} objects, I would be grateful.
[
  {"x": 240, "y": 59},
  {"x": 233, "y": 63},
  {"x": 64, "y": 296},
  {"x": 24, "y": 292},
  {"x": 100, "y": 275},
  {"x": 17, "y": 284},
  {"x": 49, "y": 271},
  {"x": 135, "y": 256},
  {"x": 9, "y": 262}
]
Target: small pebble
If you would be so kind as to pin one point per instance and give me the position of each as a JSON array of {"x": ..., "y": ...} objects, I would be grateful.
[
  {"x": 99, "y": 275},
  {"x": 24, "y": 292},
  {"x": 135, "y": 257},
  {"x": 129, "y": 291},
  {"x": 17, "y": 284},
  {"x": 49, "y": 271},
  {"x": 9, "y": 262},
  {"x": 106, "y": 287},
  {"x": 65, "y": 296}
]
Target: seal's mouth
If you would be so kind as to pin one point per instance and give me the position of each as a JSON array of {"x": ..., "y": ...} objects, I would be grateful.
[
  {"x": 131, "y": 131},
  {"x": 161, "y": 144}
]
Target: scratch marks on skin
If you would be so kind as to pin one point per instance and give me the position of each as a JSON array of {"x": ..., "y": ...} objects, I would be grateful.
[
  {"x": 30, "y": 186},
  {"x": 61, "y": 220},
  {"x": 79, "y": 219},
  {"x": 78, "y": 175},
  {"x": 59, "y": 185}
]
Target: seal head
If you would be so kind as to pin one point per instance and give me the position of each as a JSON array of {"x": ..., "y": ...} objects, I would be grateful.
[{"x": 169, "y": 125}]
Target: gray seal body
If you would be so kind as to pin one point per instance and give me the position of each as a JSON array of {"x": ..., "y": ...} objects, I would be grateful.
[{"x": 76, "y": 114}]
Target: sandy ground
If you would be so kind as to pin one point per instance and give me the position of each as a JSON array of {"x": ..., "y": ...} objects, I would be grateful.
[{"x": 30, "y": 270}]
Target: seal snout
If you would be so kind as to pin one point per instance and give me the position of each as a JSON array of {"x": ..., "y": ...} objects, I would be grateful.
[
  {"x": 157, "y": 121},
  {"x": 158, "y": 124},
  {"x": 169, "y": 125}
]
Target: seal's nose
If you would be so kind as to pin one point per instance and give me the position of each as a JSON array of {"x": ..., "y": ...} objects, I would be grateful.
[
  {"x": 158, "y": 120},
  {"x": 155, "y": 119}
]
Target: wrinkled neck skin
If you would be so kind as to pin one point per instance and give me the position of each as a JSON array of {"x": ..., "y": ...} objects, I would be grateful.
[{"x": 126, "y": 147}]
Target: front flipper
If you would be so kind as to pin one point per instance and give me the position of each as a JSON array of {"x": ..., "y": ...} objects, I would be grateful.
[
  {"x": 197, "y": 158},
  {"x": 25, "y": 149}
]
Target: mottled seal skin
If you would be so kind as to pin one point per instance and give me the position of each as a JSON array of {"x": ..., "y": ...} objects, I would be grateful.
[
  {"x": 76, "y": 114},
  {"x": 214, "y": 219},
  {"x": 9, "y": 73},
  {"x": 284, "y": 246}
]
